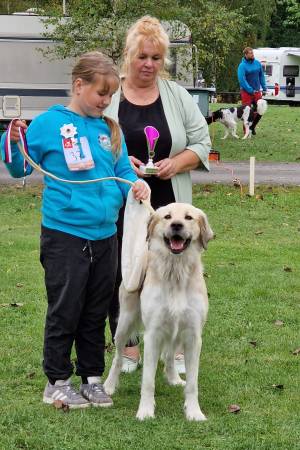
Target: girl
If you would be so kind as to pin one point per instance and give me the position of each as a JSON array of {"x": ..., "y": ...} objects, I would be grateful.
[{"x": 78, "y": 237}]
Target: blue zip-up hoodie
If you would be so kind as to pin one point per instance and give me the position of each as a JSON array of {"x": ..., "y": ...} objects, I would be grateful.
[
  {"x": 91, "y": 210},
  {"x": 251, "y": 76}
]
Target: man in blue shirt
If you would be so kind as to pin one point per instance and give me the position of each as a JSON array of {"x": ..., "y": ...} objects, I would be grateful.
[{"x": 252, "y": 79}]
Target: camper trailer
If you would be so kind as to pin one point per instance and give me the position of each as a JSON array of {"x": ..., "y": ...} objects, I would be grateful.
[
  {"x": 282, "y": 72},
  {"x": 30, "y": 82}
]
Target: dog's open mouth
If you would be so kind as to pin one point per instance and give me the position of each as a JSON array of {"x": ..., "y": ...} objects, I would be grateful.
[{"x": 176, "y": 243}]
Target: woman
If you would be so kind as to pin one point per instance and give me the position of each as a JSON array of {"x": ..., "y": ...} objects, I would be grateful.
[{"x": 146, "y": 97}]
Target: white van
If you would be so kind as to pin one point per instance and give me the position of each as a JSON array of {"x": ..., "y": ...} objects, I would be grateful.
[{"x": 282, "y": 72}]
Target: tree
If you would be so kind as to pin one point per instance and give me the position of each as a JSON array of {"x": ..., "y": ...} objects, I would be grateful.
[
  {"x": 103, "y": 23},
  {"x": 285, "y": 25}
]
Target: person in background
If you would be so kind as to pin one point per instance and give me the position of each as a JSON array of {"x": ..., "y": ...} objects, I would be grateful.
[
  {"x": 147, "y": 97},
  {"x": 78, "y": 237},
  {"x": 252, "y": 80}
]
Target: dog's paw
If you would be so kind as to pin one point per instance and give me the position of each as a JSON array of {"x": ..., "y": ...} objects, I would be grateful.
[
  {"x": 195, "y": 414},
  {"x": 176, "y": 381},
  {"x": 145, "y": 412},
  {"x": 109, "y": 388}
]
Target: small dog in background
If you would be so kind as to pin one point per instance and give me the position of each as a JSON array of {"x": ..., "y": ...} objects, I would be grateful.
[{"x": 248, "y": 115}]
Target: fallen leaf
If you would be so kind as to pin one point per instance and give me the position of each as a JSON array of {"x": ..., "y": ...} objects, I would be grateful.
[
  {"x": 31, "y": 375},
  {"x": 109, "y": 347},
  {"x": 19, "y": 285},
  {"x": 287, "y": 269},
  {"x": 58, "y": 404},
  {"x": 259, "y": 197},
  {"x": 297, "y": 351},
  {"x": 254, "y": 343},
  {"x": 259, "y": 232},
  {"x": 277, "y": 386},
  {"x": 13, "y": 305},
  {"x": 278, "y": 323},
  {"x": 234, "y": 408}
]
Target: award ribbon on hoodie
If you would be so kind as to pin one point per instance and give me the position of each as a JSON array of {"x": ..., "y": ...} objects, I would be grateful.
[{"x": 77, "y": 153}]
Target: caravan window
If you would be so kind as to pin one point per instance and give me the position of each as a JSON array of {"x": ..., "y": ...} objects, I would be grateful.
[
  {"x": 291, "y": 71},
  {"x": 268, "y": 69}
]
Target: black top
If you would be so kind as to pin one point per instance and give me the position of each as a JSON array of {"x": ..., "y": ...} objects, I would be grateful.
[{"x": 133, "y": 119}]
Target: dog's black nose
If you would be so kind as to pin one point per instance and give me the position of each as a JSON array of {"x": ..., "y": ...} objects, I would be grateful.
[{"x": 176, "y": 226}]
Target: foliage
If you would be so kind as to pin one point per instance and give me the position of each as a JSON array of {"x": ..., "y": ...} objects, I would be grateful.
[
  {"x": 11, "y": 6},
  {"x": 252, "y": 273},
  {"x": 284, "y": 30},
  {"x": 103, "y": 23}
]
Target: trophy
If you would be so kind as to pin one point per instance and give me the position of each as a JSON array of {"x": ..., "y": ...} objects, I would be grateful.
[{"x": 152, "y": 136}]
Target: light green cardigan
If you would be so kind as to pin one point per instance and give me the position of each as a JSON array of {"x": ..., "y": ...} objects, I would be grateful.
[{"x": 188, "y": 130}]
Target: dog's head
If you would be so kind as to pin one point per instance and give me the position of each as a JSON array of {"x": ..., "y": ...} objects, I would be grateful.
[{"x": 177, "y": 225}]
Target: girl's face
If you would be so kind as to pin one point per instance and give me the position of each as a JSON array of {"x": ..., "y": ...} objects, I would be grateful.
[
  {"x": 146, "y": 65},
  {"x": 91, "y": 99}
]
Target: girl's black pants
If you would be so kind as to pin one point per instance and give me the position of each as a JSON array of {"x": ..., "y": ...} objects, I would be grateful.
[{"x": 80, "y": 278}]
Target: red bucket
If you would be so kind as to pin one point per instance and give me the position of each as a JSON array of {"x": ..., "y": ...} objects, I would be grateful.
[{"x": 214, "y": 155}]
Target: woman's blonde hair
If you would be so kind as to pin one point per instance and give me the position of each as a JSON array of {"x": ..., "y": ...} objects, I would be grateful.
[
  {"x": 88, "y": 66},
  {"x": 147, "y": 28}
]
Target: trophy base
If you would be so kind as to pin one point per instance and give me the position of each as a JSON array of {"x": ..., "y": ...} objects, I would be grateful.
[{"x": 148, "y": 170}]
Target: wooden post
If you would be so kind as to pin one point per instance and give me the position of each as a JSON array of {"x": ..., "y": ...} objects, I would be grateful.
[{"x": 252, "y": 175}]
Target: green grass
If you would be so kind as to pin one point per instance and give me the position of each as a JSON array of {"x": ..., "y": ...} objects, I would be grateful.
[
  {"x": 277, "y": 139},
  {"x": 252, "y": 273}
]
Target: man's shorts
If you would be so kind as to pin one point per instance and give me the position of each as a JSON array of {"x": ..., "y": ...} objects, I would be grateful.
[{"x": 250, "y": 99}]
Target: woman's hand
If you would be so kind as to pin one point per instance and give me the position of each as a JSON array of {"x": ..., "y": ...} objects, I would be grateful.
[
  {"x": 14, "y": 132},
  {"x": 135, "y": 164},
  {"x": 167, "y": 168},
  {"x": 182, "y": 162},
  {"x": 140, "y": 190}
]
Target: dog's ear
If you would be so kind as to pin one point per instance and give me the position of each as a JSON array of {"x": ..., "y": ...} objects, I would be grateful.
[
  {"x": 154, "y": 219},
  {"x": 206, "y": 233}
]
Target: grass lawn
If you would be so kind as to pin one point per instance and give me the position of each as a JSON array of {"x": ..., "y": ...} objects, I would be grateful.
[
  {"x": 277, "y": 139},
  {"x": 252, "y": 271}
]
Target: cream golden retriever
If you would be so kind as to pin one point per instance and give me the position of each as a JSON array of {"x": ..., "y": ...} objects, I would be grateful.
[{"x": 172, "y": 305}]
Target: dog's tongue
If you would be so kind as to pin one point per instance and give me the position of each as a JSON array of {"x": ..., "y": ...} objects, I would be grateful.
[{"x": 176, "y": 244}]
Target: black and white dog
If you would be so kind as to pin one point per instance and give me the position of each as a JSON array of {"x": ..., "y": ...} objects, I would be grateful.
[{"x": 248, "y": 115}]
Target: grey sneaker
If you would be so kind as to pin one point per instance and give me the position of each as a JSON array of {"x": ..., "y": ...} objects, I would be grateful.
[
  {"x": 63, "y": 390},
  {"x": 96, "y": 394}
]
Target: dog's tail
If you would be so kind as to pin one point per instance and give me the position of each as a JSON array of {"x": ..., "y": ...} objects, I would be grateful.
[{"x": 262, "y": 106}]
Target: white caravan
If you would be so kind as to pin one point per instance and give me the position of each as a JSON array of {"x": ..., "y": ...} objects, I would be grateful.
[
  {"x": 282, "y": 72},
  {"x": 30, "y": 82}
]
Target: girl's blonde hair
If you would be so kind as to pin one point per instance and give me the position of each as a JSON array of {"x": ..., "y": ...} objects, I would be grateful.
[
  {"x": 150, "y": 29},
  {"x": 87, "y": 68}
]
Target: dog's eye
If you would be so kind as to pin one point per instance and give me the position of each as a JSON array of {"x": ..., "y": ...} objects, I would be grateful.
[
  {"x": 187, "y": 217},
  {"x": 168, "y": 217}
]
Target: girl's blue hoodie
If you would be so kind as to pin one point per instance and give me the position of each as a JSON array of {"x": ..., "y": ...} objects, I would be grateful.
[
  {"x": 251, "y": 76},
  {"x": 91, "y": 210}
]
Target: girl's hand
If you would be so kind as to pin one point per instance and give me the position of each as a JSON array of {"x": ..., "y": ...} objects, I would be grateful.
[
  {"x": 135, "y": 164},
  {"x": 140, "y": 190},
  {"x": 14, "y": 132},
  {"x": 167, "y": 168}
]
